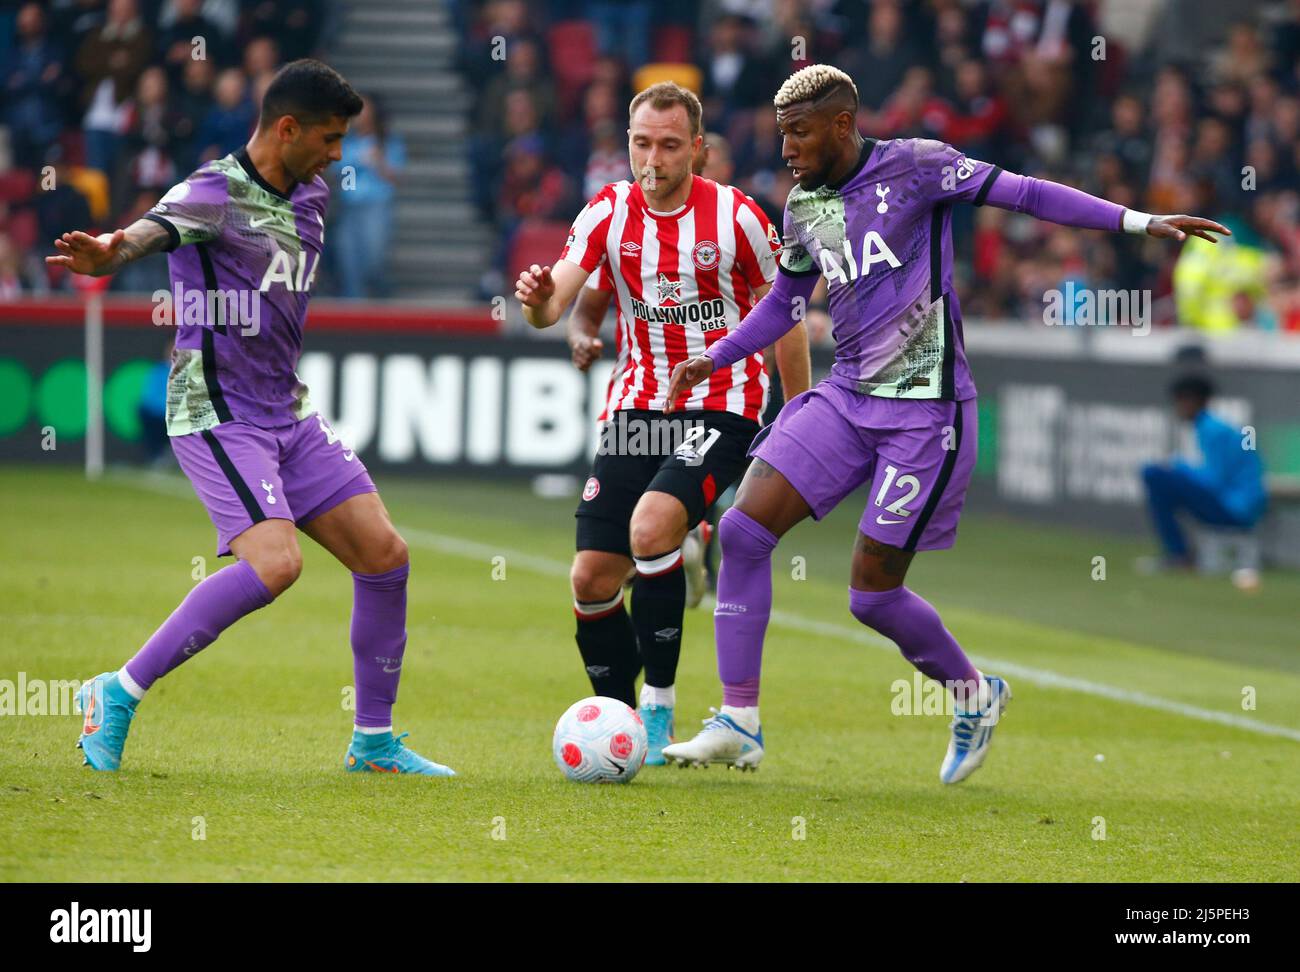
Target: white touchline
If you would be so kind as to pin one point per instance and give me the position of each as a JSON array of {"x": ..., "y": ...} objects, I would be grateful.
[{"x": 473, "y": 550}]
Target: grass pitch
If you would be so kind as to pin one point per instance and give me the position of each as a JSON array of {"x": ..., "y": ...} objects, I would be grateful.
[{"x": 1126, "y": 754}]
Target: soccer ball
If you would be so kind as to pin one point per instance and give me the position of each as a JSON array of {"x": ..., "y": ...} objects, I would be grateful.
[{"x": 599, "y": 740}]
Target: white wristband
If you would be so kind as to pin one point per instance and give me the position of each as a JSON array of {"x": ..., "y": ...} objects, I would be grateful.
[{"x": 1135, "y": 222}]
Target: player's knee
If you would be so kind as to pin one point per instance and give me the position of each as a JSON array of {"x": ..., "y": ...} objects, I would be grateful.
[
  {"x": 278, "y": 569},
  {"x": 650, "y": 535},
  {"x": 391, "y": 554},
  {"x": 741, "y": 536},
  {"x": 876, "y": 608},
  {"x": 591, "y": 584}
]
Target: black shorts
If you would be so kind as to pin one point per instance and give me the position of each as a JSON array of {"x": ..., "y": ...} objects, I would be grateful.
[{"x": 693, "y": 456}]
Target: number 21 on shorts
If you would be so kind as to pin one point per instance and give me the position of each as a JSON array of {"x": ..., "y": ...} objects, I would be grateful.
[{"x": 910, "y": 486}]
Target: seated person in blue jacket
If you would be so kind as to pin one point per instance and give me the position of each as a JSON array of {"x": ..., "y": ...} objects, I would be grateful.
[{"x": 1226, "y": 489}]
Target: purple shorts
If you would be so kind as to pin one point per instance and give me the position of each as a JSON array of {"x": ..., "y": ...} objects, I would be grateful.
[
  {"x": 245, "y": 474},
  {"x": 917, "y": 454}
]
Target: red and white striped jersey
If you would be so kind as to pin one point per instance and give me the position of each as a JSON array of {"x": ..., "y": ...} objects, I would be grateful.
[{"x": 682, "y": 280}]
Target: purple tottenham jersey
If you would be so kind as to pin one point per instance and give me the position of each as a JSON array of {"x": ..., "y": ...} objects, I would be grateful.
[
  {"x": 882, "y": 239},
  {"x": 242, "y": 259}
]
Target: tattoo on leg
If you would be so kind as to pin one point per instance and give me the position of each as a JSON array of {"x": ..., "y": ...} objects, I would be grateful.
[{"x": 893, "y": 561}]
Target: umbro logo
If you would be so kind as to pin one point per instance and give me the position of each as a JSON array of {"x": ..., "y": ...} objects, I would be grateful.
[
  {"x": 597, "y": 671},
  {"x": 629, "y": 247},
  {"x": 667, "y": 634}
]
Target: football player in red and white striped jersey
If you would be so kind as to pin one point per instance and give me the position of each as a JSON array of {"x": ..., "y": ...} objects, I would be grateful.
[{"x": 688, "y": 259}]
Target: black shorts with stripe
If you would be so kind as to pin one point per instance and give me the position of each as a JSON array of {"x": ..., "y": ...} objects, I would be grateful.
[{"x": 693, "y": 456}]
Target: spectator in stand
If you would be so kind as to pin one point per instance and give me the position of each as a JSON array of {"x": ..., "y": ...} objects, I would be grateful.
[
  {"x": 148, "y": 136},
  {"x": 735, "y": 77},
  {"x": 717, "y": 159},
  {"x": 979, "y": 113},
  {"x": 294, "y": 24},
  {"x": 1126, "y": 139},
  {"x": 913, "y": 111},
  {"x": 879, "y": 66},
  {"x": 176, "y": 46},
  {"x": 261, "y": 60},
  {"x": 230, "y": 120},
  {"x": 110, "y": 61},
  {"x": 372, "y": 162},
  {"x": 533, "y": 188},
  {"x": 622, "y": 29},
  {"x": 31, "y": 106},
  {"x": 193, "y": 103},
  {"x": 608, "y": 159}
]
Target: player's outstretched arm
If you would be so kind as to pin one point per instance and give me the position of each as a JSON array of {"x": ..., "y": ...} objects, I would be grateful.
[
  {"x": 1056, "y": 203},
  {"x": 588, "y": 314},
  {"x": 545, "y": 292},
  {"x": 98, "y": 256}
]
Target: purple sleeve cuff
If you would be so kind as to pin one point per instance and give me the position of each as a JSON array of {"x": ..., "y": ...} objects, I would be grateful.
[
  {"x": 770, "y": 320},
  {"x": 1053, "y": 202}
]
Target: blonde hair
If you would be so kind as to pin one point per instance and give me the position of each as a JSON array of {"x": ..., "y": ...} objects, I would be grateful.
[
  {"x": 665, "y": 94},
  {"x": 811, "y": 83}
]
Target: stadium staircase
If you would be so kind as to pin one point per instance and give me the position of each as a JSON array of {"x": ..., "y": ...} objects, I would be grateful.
[{"x": 404, "y": 52}]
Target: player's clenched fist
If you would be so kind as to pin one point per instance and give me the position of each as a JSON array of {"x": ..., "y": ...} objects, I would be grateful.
[
  {"x": 687, "y": 374},
  {"x": 534, "y": 286},
  {"x": 586, "y": 350}
]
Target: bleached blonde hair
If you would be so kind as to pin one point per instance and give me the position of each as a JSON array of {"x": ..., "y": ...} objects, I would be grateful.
[{"x": 811, "y": 83}]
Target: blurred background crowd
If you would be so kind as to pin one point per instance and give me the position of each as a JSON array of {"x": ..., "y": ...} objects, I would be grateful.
[
  {"x": 108, "y": 103},
  {"x": 1162, "y": 105}
]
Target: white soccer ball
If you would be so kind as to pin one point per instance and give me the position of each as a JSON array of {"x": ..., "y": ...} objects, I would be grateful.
[{"x": 599, "y": 740}]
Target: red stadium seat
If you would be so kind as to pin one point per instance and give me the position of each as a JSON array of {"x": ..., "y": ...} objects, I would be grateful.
[
  {"x": 23, "y": 229},
  {"x": 17, "y": 186},
  {"x": 674, "y": 43},
  {"x": 572, "y": 51},
  {"x": 537, "y": 241}
]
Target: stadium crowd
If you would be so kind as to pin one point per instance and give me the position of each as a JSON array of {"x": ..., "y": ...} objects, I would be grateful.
[
  {"x": 1171, "y": 115},
  {"x": 108, "y": 103},
  {"x": 1176, "y": 123}
]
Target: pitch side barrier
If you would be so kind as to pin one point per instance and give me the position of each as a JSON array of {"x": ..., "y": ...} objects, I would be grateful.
[{"x": 1067, "y": 415}]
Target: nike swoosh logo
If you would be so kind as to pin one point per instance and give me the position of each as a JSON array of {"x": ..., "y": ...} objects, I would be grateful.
[
  {"x": 392, "y": 671},
  {"x": 883, "y": 522},
  {"x": 89, "y": 726},
  {"x": 255, "y": 223}
]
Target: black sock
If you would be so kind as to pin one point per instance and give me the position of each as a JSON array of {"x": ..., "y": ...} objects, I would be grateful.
[
  {"x": 608, "y": 646},
  {"x": 658, "y": 604}
]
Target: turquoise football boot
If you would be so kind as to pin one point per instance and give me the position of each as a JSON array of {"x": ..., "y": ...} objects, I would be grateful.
[
  {"x": 107, "y": 709},
  {"x": 658, "y": 721},
  {"x": 386, "y": 754}
]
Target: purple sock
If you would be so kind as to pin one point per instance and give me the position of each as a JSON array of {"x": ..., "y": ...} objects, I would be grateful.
[
  {"x": 914, "y": 625},
  {"x": 744, "y": 604},
  {"x": 378, "y": 643},
  {"x": 209, "y": 609}
]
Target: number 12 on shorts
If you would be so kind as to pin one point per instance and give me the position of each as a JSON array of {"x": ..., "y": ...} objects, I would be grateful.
[{"x": 911, "y": 486}]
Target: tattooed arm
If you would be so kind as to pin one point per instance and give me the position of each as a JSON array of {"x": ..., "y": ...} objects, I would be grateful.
[{"x": 98, "y": 256}]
